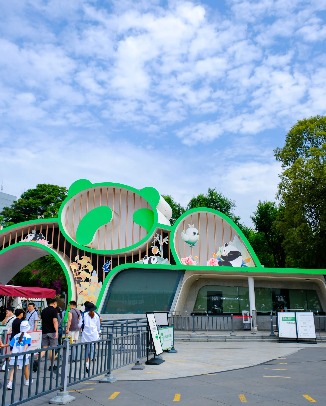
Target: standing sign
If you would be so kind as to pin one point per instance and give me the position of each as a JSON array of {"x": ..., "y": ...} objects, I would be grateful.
[
  {"x": 287, "y": 325},
  {"x": 166, "y": 337},
  {"x": 306, "y": 325},
  {"x": 154, "y": 333}
]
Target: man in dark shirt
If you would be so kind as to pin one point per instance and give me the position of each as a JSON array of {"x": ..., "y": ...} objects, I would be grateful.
[
  {"x": 15, "y": 327},
  {"x": 49, "y": 318}
]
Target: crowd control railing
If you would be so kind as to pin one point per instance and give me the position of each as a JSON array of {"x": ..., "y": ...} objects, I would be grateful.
[
  {"x": 48, "y": 375},
  {"x": 203, "y": 323},
  {"x": 123, "y": 327}
]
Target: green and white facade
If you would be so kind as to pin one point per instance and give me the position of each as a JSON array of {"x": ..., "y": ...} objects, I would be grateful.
[{"x": 117, "y": 248}]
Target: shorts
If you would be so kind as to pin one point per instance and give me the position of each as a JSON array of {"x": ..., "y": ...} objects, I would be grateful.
[
  {"x": 48, "y": 340},
  {"x": 74, "y": 335},
  {"x": 19, "y": 361}
]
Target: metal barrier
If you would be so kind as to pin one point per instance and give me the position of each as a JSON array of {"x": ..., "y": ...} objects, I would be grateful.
[
  {"x": 128, "y": 349},
  {"x": 203, "y": 323},
  {"x": 69, "y": 368},
  {"x": 46, "y": 375},
  {"x": 320, "y": 323},
  {"x": 123, "y": 327}
]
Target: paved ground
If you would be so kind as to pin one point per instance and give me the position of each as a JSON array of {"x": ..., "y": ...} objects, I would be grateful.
[{"x": 216, "y": 373}]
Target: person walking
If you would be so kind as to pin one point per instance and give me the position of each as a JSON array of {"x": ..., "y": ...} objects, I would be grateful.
[
  {"x": 15, "y": 327},
  {"x": 32, "y": 316},
  {"x": 19, "y": 343},
  {"x": 10, "y": 317},
  {"x": 72, "y": 324},
  {"x": 49, "y": 317},
  {"x": 91, "y": 330}
]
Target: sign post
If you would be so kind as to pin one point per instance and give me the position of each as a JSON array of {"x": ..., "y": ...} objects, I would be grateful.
[{"x": 153, "y": 336}]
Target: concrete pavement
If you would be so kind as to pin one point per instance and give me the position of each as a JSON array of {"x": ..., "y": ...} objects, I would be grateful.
[{"x": 199, "y": 358}]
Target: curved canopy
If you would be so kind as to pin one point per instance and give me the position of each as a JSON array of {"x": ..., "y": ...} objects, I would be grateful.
[{"x": 29, "y": 292}]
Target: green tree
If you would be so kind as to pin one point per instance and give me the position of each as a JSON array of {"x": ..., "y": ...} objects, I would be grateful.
[
  {"x": 214, "y": 200},
  {"x": 45, "y": 272},
  {"x": 177, "y": 209},
  {"x": 42, "y": 202},
  {"x": 268, "y": 239},
  {"x": 302, "y": 192}
]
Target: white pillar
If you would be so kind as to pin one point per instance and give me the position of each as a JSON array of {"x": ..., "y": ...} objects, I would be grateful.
[{"x": 252, "y": 302}]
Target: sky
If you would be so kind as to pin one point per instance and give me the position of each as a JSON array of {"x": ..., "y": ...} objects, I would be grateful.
[{"x": 179, "y": 95}]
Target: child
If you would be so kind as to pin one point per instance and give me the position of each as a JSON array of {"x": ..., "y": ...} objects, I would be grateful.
[{"x": 19, "y": 344}]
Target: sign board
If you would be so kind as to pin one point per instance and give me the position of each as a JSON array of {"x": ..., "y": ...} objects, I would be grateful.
[
  {"x": 167, "y": 337},
  {"x": 287, "y": 327},
  {"x": 306, "y": 325},
  {"x": 162, "y": 318},
  {"x": 36, "y": 338},
  {"x": 154, "y": 333}
]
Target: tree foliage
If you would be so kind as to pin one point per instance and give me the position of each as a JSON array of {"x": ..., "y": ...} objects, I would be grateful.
[
  {"x": 214, "y": 200},
  {"x": 45, "y": 272},
  {"x": 268, "y": 239},
  {"x": 302, "y": 192},
  {"x": 41, "y": 202},
  {"x": 177, "y": 209}
]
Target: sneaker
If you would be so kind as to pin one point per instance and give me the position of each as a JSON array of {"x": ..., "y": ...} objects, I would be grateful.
[
  {"x": 35, "y": 365},
  {"x": 54, "y": 368},
  {"x": 27, "y": 382},
  {"x": 9, "y": 386}
]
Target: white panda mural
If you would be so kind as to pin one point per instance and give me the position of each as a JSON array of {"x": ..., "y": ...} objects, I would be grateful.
[
  {"x": 230, "y": 256},
  {"x": 233, "y": 253}
]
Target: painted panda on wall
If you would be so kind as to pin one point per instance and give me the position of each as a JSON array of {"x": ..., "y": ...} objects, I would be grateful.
[
  {"x": 231, "y": 256},
  {"x": 149, "y": 260}
]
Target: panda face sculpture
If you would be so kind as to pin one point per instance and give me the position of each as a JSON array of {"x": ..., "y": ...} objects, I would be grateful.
[
  {"x": 108, "y": 217},
  {"x": 231, "y": 256}
]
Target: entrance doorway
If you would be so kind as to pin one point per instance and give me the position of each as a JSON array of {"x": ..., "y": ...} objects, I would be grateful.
[{"x": 214, "y": 302}]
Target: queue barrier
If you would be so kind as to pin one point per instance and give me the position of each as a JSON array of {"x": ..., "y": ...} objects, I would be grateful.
[{"x": 105, "y": 355}]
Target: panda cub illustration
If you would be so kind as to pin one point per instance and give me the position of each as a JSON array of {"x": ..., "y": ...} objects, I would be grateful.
[
  {"x": 149, "y": 260},
  {"x": 231, "y": 256}
]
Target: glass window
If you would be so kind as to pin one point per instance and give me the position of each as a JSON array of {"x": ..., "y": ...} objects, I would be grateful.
[
  {"x": 137, "y": 291},
  {"x": 313, "y": 302},
  {"x": 263, "y": 300},
  {"x": 217, "y": 299}
]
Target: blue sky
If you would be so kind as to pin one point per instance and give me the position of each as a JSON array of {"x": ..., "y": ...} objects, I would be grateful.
[{"x": 179, "y": 95}]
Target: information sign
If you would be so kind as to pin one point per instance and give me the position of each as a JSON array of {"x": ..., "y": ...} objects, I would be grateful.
[
  {"x": 167, "y": 337},
  {"x": 306, "y": 325},
  {"x": 154, "y": 333},
  {"x": 287, "y": 325}
]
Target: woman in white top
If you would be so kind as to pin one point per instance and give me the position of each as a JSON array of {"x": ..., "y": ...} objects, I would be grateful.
[{"x": 91, "y": 329}]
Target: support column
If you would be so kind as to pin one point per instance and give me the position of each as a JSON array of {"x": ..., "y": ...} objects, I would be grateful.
[{"x": 252, "y": 304}]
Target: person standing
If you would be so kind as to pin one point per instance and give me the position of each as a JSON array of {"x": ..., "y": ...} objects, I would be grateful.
[
  {"x": 49, "y": 317},
  {"x": 32, "y": 316},
  {"x": 72, "y": 323},
  {"x": 19, "y": 343},
  {"x": 91, "y": 330},
  {"x": 10, "y": 317},
  {"x": 15, "y": 327}
]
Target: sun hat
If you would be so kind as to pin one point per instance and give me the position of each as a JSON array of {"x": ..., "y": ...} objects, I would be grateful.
[
  {"x": 89, "y": 306},
  {"x": 24, "y": 326}
]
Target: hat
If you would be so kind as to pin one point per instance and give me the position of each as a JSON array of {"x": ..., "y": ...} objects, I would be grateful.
[
  {"x": 89, "y": 306},
  {"x": 24, "y": 326}
]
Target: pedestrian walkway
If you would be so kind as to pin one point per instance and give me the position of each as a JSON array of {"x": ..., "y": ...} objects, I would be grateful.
[{"x": 198, "y": 358}]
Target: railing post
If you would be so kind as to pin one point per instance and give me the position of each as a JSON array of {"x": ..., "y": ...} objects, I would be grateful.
[
  {"x": 63, "y": 397},
  {"x": 108, "y": 378},
  {"x": 138, "y": 365},
  {"x": 193, "y": 323},
  {"x": 272, "y": 334},
  {"x": 232, "y": 326}
]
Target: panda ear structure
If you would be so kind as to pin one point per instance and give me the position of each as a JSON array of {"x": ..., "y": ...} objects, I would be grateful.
[{"x": 144, "y": 218}]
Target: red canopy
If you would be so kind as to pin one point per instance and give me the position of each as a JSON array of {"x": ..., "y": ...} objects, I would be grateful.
[{"x": 19, "y": 291}]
